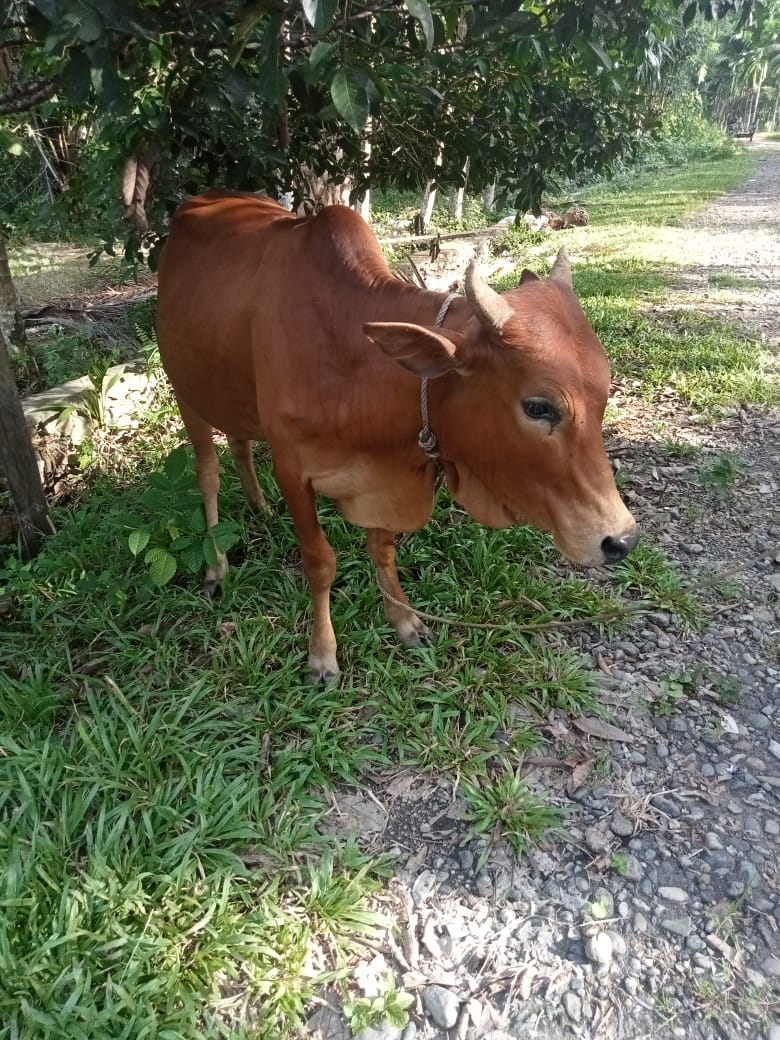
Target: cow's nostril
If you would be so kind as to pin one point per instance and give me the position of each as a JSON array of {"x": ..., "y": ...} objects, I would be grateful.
[{"x": 616, "y": 549}]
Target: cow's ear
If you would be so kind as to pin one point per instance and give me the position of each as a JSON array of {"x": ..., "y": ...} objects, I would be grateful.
[
  {"x": 424, "y": 351},
  {"x": 528, "y": 276}
]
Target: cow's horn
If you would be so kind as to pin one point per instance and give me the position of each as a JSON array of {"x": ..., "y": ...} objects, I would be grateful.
[
  {"x": 561, "y": 269},
  {"x": 488, "y": 305}
]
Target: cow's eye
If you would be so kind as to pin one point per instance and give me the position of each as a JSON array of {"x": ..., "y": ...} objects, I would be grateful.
[{"x": 541, "y": 410}]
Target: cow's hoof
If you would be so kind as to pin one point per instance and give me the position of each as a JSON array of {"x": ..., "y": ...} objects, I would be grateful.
[
  {"x": 321, "y": 674},
  {"x": 212, "y": 588},
  {"x": 260, "y": 506},
  {"x": 415, "y": 634}
]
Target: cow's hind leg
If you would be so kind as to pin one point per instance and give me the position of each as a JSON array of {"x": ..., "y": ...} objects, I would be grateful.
[
  {"x": 319, "y": 566},
  {"x": 408, "y": 626},
  {"x": 207, "y": 468},
  {"x": 245, "y": 466}
]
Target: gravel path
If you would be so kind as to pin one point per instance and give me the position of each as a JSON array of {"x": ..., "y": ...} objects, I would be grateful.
[{"x": 660, "y": 916}]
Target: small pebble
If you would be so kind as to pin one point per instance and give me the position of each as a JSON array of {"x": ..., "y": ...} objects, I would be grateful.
[
  {"x": 572, "y": 1005},
  {"x": 621, "y": 825},
  {"x": 442, "y": 1005},
  {"x": 599, "y": 948},
  {"x": 677, "y": 925},
  {"x": 673, "y": 894}
]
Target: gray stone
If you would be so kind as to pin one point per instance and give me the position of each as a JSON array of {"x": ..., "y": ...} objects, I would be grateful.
[
  {"x": 678, "y": 925},
  {"x": 442, "y": 1005},
  {"x": 771, "y": 826},
  {"x": 572, "y": 1005},
  {"x": 771, "y": 966},
  {"x": 640, "y": 922},
  {"x": 630, "y": 984},
  {"x": 619, "y": 947},
  {"x": 327, "y": 1024},
  {"x": 774, "y": 746},
  {"x": 598, "y": 948},
  {"x": 383, "y": 1031},
  {"x": 673, "y": 894},
  {"x": 757, "y": 720},
  {"x": 621, "y": 825},
  {"x": 632, "y": 868},
  {"x": 597, "y": 839},
  {"x": 773, "y": 1031},
  {"x": 752, "y": 825}
]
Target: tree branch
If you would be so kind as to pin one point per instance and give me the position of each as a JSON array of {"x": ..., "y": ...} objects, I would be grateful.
[{"x": 25, "y": 96}]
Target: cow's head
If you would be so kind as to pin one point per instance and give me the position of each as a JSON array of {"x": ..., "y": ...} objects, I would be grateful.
[{"x": 518, "y": 406}]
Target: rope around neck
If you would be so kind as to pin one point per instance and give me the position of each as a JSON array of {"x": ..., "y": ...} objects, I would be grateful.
[{"x": 426, "y": 438}]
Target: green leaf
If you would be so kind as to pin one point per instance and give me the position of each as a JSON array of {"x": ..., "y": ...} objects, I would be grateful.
[
  {"x": 271, "y": 79},
  {"x": 160, "y": 481},
  {"x": 138, "y": 540},
  {"x": 162, "y": 566},
  {"x": 9, "y": 142},
  {"x": 320, "y": 53},
  {"x": 319, "y": 13},
  {"x": 420, "y": 10},
  {"x": 600, "y": 53},
  {"x": 90, "y": 25},
  {"x": 155, "y": 499},
  {"x": 192, "y": 557},
  {"x": 175, "y": 464},
  {"x": 210, "y": 554},
  {"x": 349, "y": 90},
  {"x": 197, "y": 519}
]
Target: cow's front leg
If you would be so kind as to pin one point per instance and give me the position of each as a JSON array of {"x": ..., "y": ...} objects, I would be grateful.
[
  {"x": 319, "y": 566},
  {"x": 408, "y": 626}
]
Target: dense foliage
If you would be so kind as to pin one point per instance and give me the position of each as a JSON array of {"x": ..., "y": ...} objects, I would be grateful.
[{"x": 262, "y": 95}]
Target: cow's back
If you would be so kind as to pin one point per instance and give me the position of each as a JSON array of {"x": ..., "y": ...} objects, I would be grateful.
[{"x": 251, "y": 298}]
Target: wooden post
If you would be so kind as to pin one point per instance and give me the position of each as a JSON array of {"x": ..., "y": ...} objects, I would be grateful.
[{"x": 18, "y": 463}]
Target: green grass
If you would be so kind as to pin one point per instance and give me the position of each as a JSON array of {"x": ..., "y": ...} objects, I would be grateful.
[
  {"x": 164, "y": 768},
  {"x": 661, "y": 197}
]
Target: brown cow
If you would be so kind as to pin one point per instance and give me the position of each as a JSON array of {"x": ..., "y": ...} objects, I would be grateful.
[{"x": 294, "y": 331}]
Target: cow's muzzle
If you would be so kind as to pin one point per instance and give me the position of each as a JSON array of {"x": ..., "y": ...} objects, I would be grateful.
[{"x": 616, "y": 549}]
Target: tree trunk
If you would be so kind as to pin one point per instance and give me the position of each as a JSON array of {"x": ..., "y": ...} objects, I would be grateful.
[
  {"x": 11, "y": 323},
  {"x": 489, "y": 197},
  {"x": 427, "y": 203},
  {"x": 758, "y": 82},
  {"x": 363, "y": 205},
  {"x": 429, "y": 197},
  {"x": 18, "y": 462},
  {"x": 456, "y": 205}
]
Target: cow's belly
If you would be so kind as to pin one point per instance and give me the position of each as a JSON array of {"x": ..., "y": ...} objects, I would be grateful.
[
  {"x": 228, "y": 405},
  {"x": 370, "y": 493}
]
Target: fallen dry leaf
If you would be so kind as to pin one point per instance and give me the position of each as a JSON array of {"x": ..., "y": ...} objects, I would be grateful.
[
  {"x": 579, "y": 775},
  {"x": 603, "y": 730}
]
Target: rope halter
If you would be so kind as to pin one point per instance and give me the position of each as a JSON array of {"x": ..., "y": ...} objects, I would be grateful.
[{"x": 426, "y": 438}]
